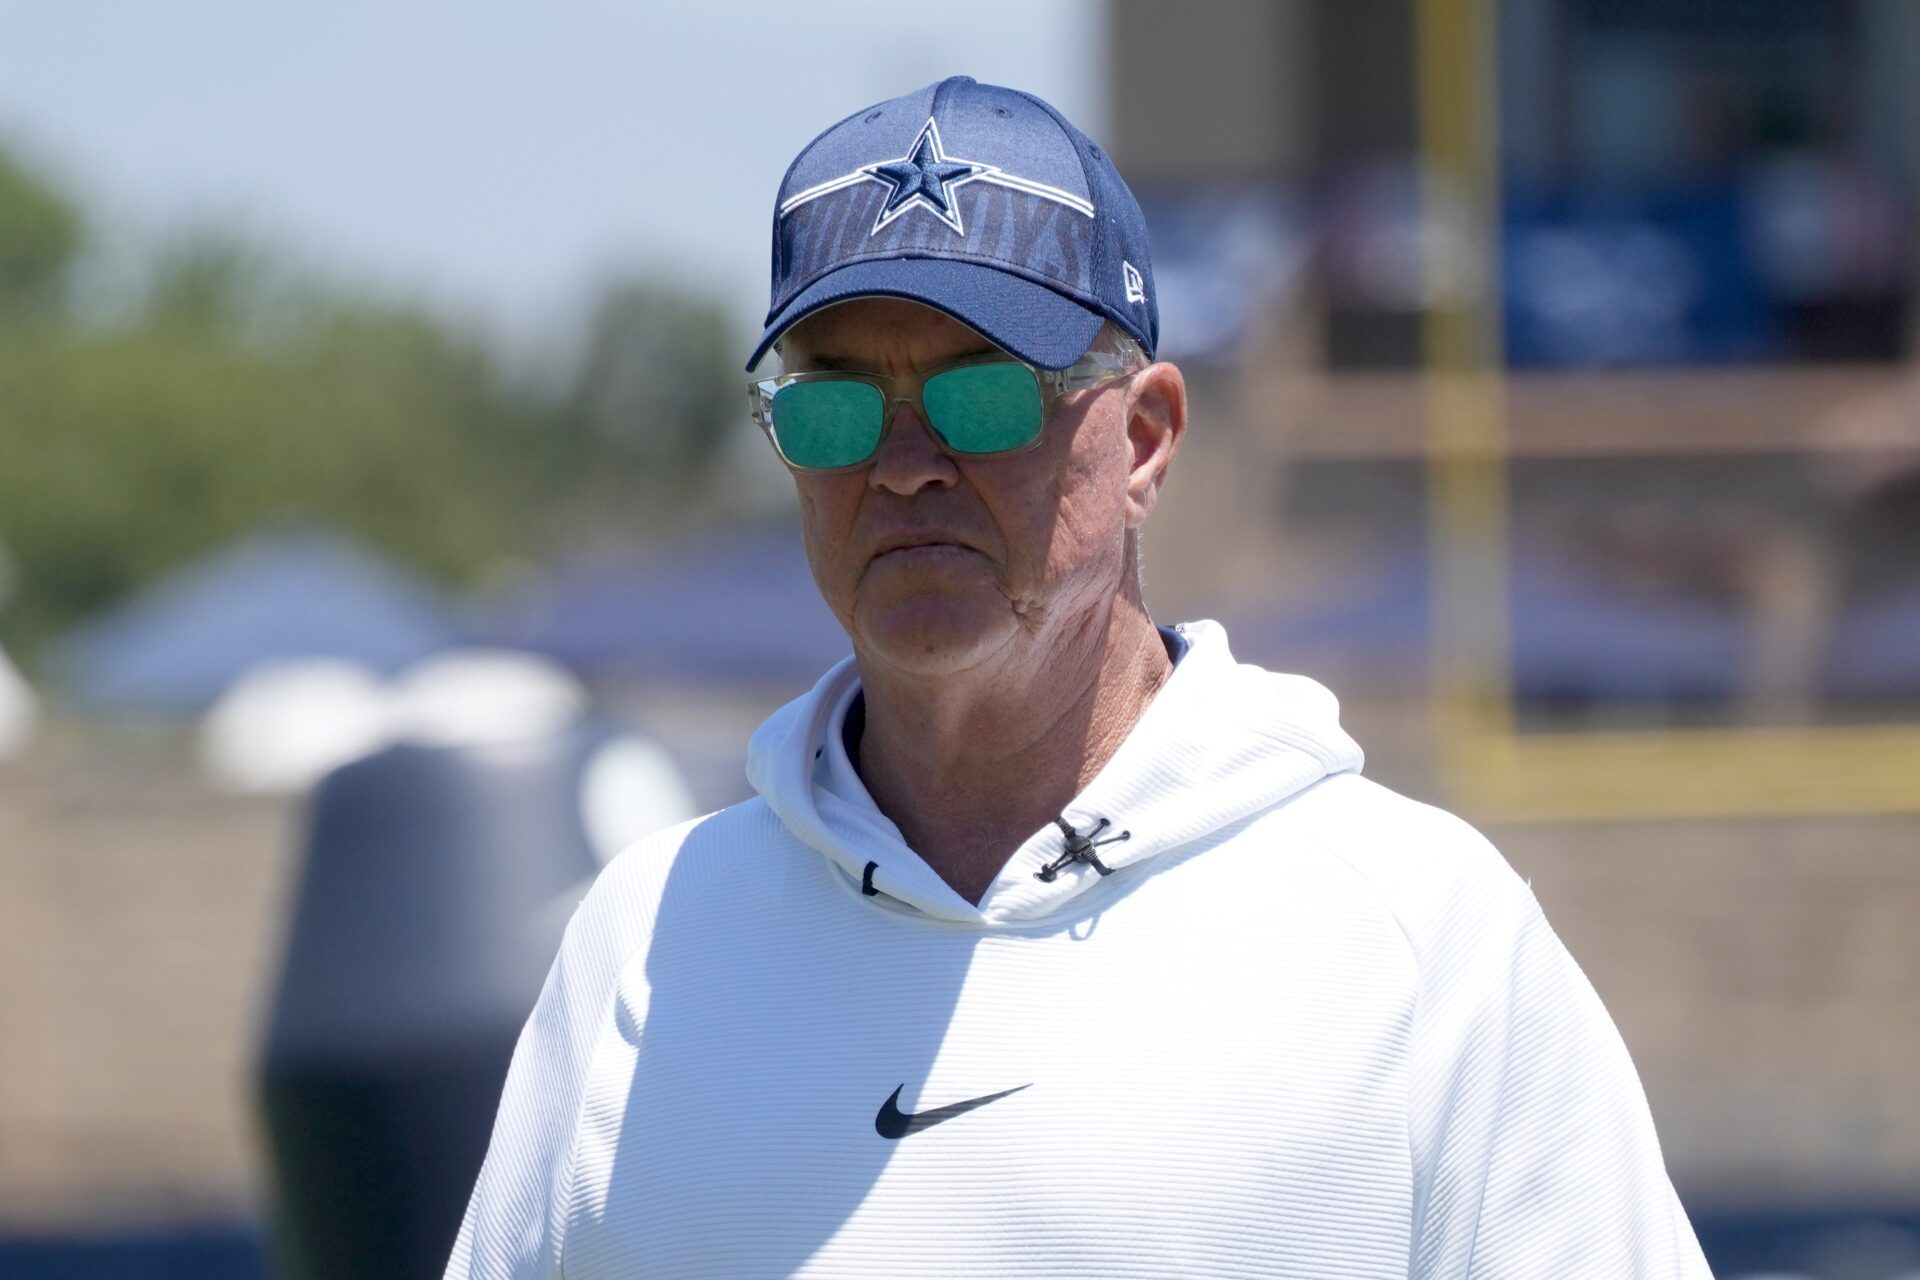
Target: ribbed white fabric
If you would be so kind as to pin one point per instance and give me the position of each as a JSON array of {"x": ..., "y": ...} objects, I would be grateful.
[{"x": 1306, "y": 1028}]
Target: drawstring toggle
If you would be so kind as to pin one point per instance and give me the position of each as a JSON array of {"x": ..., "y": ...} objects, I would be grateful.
[{"x": 1080, "y": 848}]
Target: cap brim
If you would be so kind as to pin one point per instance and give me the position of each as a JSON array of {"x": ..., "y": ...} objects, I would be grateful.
[{"x": 1033, "y": 322}]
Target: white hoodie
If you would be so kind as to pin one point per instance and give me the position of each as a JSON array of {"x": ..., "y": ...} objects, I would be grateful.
[{"x": 1306, "y": 1027}]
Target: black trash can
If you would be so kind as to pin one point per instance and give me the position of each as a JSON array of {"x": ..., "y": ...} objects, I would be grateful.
[{"x": 436, "y": 884}]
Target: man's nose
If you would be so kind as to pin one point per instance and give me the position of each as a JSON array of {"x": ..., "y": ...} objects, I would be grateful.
[{"x": 910, "y": 458}]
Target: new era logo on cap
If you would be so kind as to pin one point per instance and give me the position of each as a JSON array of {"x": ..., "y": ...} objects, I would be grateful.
[{"x": 979, "y": 201}]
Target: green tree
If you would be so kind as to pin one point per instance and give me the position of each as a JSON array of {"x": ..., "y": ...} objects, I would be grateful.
[
  {"x": 237, "y": 393},
  {"x": 658, "y": 390},
  {"x": 39, "y": 236},
  {"x": 237, "y": 399}
]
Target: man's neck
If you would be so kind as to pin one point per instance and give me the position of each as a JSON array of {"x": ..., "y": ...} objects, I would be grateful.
[{"x": 969, "y": 766}]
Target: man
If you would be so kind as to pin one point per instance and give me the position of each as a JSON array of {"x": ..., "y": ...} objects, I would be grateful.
[{"x": 1055, "y": 943}]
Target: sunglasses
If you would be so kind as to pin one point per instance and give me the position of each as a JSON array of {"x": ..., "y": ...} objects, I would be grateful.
[{"x": 982, "y": 406}]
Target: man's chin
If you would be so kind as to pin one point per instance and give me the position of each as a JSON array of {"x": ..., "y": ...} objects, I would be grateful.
[{"x": 932, "y": 634}]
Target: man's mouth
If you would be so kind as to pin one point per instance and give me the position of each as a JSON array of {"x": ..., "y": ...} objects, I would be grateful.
[
  {"x": 925, "y": 551},
  {"x": 919, "y": 546}
]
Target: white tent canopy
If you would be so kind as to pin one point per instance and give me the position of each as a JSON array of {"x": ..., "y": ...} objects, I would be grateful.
[{"x": 19, "y": 709}]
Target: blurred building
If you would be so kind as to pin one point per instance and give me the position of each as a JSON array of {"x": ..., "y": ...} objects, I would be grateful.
[{"x": 1706, "y": 284}]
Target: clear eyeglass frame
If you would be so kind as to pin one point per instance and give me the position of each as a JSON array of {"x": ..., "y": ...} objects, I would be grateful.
[{"x": 1090, "y": 370}]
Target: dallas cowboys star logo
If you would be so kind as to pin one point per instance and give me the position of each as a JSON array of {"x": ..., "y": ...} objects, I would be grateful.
[{"x": 926, "y": 177}]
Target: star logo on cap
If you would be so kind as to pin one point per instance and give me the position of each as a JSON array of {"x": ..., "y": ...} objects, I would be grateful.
[{"x": 924, "y": 178}]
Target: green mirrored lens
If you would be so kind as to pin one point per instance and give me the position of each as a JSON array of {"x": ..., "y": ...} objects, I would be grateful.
[
  {"x": 828, "y": 423},
  {"x": 984, "y": 408}
]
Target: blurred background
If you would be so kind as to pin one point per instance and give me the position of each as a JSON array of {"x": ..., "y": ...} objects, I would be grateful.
[{"x": 384, "y": 542}]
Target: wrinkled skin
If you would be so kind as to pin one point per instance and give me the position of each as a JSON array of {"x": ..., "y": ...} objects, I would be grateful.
[
  {"x": 992, "y": 602},
  {"x": 1030, "y": 543}
]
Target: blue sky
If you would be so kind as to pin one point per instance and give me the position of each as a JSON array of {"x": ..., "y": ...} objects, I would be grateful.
[{"x": 493, "y": 157}]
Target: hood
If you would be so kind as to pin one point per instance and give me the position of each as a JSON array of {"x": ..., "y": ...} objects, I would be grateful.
[{"x": 1221, "y": 741}]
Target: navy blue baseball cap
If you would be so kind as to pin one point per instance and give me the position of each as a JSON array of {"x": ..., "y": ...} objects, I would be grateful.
[{"x": 980, "y": 201}]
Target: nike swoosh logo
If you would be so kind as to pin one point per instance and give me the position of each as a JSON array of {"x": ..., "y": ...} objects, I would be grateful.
[{"x": 893, "y": 1123}]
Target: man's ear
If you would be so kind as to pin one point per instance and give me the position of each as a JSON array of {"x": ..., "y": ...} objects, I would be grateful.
[{"x": 1156, "y": 422}]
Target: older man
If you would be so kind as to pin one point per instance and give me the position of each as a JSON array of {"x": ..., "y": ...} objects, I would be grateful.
[{"x": 1055, "y": 943}]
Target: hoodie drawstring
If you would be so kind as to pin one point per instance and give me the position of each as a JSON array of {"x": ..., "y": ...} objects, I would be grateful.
[{"x": 1080, "y": 848}]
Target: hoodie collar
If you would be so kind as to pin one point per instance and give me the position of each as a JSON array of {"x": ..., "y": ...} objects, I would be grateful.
[{"x": 1219, "y": 742}]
